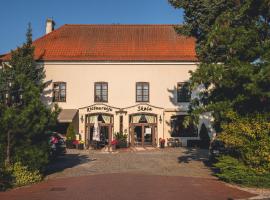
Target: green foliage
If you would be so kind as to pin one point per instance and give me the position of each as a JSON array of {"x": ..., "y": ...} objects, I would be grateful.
[
  {"x": 204, "y": 137},
  {"x": 27, "y": 120},
  {"x": 23, "y": 176},
  {"x": 233, "y": 47},
  {"x": 233, "y": 170},
  {"x": 34, "y": 157},
  {"x": 71, "y": 134},
  {"x": 121, "y": 139},
  {"x": 250, "y": 137}
]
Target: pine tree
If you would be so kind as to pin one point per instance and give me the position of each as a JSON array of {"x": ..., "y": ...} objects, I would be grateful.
[{"x": 26, "y": 120}]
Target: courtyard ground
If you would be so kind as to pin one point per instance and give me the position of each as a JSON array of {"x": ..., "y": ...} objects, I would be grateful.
[{"x": 177, "y": 173}]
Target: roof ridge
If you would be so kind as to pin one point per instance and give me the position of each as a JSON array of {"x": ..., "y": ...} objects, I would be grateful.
[{"x": 122, "y": 24}]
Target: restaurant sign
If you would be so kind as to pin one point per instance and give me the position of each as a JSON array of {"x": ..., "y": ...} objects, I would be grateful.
[
  {"x": 144, "y": 108},
  {"x": 99, "y": 109}
]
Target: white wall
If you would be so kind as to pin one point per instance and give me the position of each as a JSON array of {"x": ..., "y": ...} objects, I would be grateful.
[{"x": 121, "y": 78}]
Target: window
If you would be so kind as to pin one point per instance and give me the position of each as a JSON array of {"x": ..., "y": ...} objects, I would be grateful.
[
  {"x": 183, "y": 92},
  {"x": 59, "y": 92},
  {"x": 142, "y": 92},
  {"x": 101, "y": 92},
  {"x": 179, "y": 130}
]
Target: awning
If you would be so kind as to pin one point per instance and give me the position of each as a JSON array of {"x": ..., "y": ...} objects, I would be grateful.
[{"x": 67, "y": 115}]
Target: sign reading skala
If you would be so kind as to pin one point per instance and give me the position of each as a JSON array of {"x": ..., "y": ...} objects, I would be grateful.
[
  {"x": 99, "y": 108},
  {"x": 144, "y": 108}
]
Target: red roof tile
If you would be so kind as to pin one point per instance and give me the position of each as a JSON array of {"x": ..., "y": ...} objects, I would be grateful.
[{"x": 115, "y": 43}]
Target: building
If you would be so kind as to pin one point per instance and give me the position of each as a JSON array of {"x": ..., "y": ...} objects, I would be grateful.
[{"x": 129, "y": 78}]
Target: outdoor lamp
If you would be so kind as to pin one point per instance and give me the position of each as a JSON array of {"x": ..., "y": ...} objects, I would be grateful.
[
  {"x": 160, "y": 119},
  {"x": 82, "y": 119}
]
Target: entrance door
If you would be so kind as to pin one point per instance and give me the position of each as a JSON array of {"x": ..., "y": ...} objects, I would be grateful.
[
  {"x": 143, "y": 129},
  {"x": 138, "y": 130},
  {"x": 148, "y": 135},
  {"x": 104, "y": 134},
  {"x": 143, "y": 135}
]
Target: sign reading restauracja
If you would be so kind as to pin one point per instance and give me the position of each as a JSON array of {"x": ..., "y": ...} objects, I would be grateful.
[{"x": 122, "y": 78}]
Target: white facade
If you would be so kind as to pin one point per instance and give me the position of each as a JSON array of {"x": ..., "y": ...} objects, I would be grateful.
[{"x": 121, "y": 77}]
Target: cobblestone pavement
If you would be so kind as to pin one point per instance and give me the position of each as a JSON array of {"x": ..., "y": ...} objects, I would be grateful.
[
  {"x": 144, "y": 175},
  {"x": 169, "y": 162}
]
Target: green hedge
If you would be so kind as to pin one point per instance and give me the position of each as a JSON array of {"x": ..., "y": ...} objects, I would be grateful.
[{"x": 233, "y": 171}]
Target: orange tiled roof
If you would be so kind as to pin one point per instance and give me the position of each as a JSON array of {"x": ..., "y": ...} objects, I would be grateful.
[{"x": 114, "y": 43}]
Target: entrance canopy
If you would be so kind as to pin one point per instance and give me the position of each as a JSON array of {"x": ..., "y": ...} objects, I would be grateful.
[
  {"x": 103, "y": 118},
  {"x": 67, "y": 115},
  {"x": 143, "y": 118}
]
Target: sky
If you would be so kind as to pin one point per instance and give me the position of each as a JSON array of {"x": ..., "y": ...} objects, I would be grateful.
[{"x": 16, "y": 14}]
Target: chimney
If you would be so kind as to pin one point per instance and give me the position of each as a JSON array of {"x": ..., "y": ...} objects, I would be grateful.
[{"x": 49, "y": 25}]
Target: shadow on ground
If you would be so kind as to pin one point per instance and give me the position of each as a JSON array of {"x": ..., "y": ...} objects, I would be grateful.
[
  {"x": 196, "y": 154},
  {"x": 66, "y": 161}
]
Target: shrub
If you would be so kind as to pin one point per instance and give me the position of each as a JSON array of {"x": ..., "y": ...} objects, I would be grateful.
[
  {"x": 121, "y": 139},
  {"x": 250, "y": 138},
  {"x": 235, "y": 171},
  {"x": 23, "y": 176},
  {"x": 5, "y": 178},
  {"x": 204, "y": 137},
  {"x": 71, "y": 134},
  {"x": 34, "y": 157}
]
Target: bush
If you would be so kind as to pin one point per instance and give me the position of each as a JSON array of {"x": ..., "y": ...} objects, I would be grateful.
[
  {"x": 204, "y": 137},
  {"x": 250, "y": 138},
  {"x": 5, "y": 179},
  {"x": 71, "y": 134},
  {"x": 121, "y": 140},
  {"x": 34, "y": 157},
  {"x": 23, "y": 176},
  {"x": 232, "y": 170}
]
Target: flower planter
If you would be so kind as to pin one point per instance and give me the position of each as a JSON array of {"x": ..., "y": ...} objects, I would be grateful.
[
  {"x": 162, "y": 145},
  {"x": 113, "y": 147},
  {"x": 80, "y": 146},
  {"x": 121, "y": 144}
]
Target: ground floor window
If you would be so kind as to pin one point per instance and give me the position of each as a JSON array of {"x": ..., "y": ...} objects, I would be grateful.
[{"x": 179, "y": 130}]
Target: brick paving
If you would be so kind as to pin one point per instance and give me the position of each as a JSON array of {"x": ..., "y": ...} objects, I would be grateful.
[{"x": 153, "y": 174}]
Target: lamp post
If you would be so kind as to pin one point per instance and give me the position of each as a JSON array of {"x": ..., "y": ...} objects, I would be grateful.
[{"x": 10, "y": 97}]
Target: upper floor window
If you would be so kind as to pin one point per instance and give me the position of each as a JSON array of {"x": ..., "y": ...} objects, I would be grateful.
[
  {"x": 183, "y": 92},
  {"x": 59, "y": 92},
  {"x": 101, "y": 92},
  {"x": 142, "y": 92}
]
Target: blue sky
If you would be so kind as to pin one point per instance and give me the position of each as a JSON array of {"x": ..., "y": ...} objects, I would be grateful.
[{"x": 16, "y": 14}]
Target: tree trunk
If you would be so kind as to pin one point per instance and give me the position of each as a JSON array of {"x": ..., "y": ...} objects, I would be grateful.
[{"x": 8, "y": 148}]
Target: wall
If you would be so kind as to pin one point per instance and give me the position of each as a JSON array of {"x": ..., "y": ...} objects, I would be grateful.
[{"x": 121, "y": 78}]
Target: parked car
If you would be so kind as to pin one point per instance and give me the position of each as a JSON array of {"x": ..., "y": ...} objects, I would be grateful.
[{"x": 58, "y": 144}]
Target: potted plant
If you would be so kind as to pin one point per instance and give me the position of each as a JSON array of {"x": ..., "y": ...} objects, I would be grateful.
[
  {"x": 81, "y": 145},
  {"x": 121, "y": 140},
  {"x": 114, "y": 143},
  {"x": 162, "y": 143},
  {"x": 71, "y": 136}
]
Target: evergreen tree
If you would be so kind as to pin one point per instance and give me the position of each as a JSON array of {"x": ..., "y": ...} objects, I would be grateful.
[
  {"x": 233, "y": 47},
  {"x": 24, "y": 119}
]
